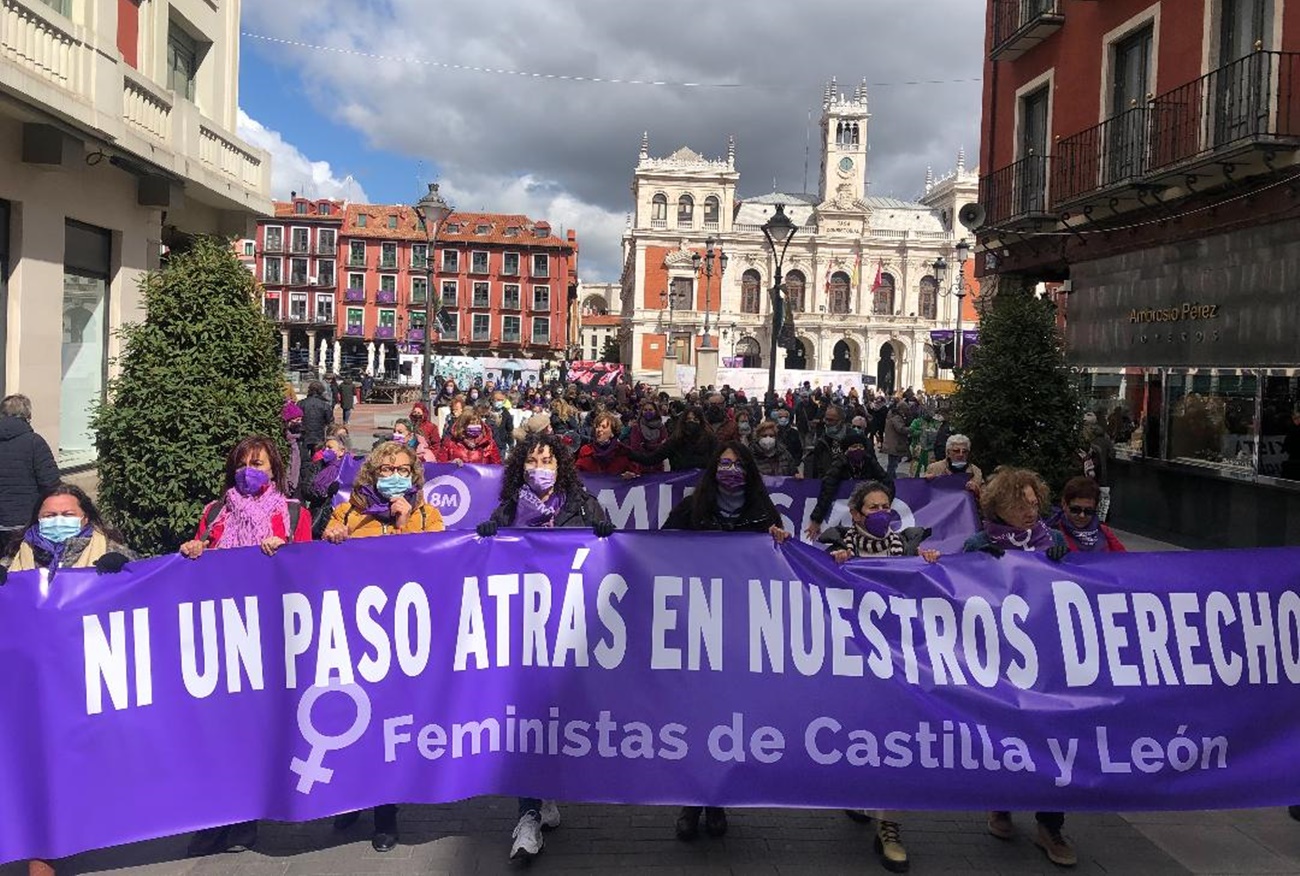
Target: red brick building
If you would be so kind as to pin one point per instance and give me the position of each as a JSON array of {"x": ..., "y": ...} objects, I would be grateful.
[
  {"x": 346, "y": 284},
  {"x": 296, "y": 261},
  {"x": 1144, "y": 155}
]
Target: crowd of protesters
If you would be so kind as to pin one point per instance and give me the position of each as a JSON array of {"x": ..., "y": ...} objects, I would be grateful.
[{"x": 545, "y": 436}]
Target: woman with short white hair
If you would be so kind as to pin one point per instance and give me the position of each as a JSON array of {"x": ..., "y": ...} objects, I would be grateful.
[{"x": 956, "y": 461}]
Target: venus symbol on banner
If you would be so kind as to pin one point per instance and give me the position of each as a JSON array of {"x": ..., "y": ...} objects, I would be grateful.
[{"x": 312, "y": 770}]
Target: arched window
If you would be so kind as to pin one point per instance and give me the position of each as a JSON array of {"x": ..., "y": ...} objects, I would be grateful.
[
  {"x": 659, "y": 208},
  {"x": 794, "y": 286},
  {"x": 711, "y": 211},
  {"x": 883, "y": 296},
  {"x": 930, "y": 367},
  {"x": 929, "y": 298},
  {"x": 839, "y": 293},
  {"x": 685, "y": 211},
  {"x": 750, "y": 283},
  {"x": 747, "y": 350},
  {"x": 854, "y": 129}
]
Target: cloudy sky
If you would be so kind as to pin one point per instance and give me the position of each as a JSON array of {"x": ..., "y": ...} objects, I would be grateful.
[{"x": 368, "y": 99}]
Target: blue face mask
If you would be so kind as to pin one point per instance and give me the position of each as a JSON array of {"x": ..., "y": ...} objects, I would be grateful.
[
  {"x": 59, "y": 529},
  {"x": 392, "y": 486}
]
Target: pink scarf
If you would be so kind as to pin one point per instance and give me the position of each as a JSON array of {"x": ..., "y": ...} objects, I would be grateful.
[{"x": 246, "y": 520}]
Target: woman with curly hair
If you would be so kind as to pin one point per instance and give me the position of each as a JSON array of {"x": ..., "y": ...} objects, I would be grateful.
[
  {"x": 540, "y": 489},
  {"x": 469, "y": 440},
  {"x": 1014, "y": 501},
  {"x": 387, "y": 499},
  {"x": 728, "y": 497}
]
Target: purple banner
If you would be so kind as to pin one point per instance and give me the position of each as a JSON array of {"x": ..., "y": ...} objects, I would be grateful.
[
  {"x": 466, "y": 496},
  {"x": 650, "y": 668}
]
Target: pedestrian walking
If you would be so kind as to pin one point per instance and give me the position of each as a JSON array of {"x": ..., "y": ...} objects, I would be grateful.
[
  {"x": 317, "y": 416},
  {"x": 347, "y": 397},
  {"x": 896, "y": 437}
]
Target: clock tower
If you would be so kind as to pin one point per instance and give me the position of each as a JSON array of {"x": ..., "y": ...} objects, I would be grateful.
[{"x": 844, "y": 145}]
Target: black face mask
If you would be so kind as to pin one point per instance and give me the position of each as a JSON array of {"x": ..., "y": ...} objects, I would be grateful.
[
  {"x": 691, "y": 427},
  {"x": 714, "y": 414}
]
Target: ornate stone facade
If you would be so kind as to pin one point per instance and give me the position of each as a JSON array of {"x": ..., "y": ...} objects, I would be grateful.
[{"x": 858, "y": 272}]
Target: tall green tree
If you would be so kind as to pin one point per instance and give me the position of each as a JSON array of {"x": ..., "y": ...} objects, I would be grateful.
[
  {"x": 1017, "y": 398},
  {"x": 610, "y": 351},
  {"x": 201, "y": 372}
]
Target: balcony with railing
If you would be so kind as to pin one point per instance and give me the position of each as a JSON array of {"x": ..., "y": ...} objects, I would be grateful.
[
  {"x": 354, "y": 330},
  {"x": 387, "y": 264},
  {"x": 325, "y": 249},
  {"x": 273, "y": 245},
  {"x": 1016, "y": 193},
  {"x": 1102, "y": 159},
  {"x": 415, "y": 335},
  {"x": 1250, "y": 103},
  {"x": 354, "y": 296},
  {"x": 297, "y": 278},
  {"x": 356, "y": 260},
  {"x": 386, "y": 296},
  {"x": 1019, "y": 25},
  {"x": 385, "y": 333}
]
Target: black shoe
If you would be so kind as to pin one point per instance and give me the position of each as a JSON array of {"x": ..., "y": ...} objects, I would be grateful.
[
  {"x": 858, "y": 815},
  {"x": 346, "y": 820},
  {"x": 209, "y": 841},
  {"x": 1294, "y": 812},
  {"x": 688, "y": 823},
  {"x": 715, "y": 821},
  {"x": 386, "y": 836},
  {"x": 242, "y": 836}
]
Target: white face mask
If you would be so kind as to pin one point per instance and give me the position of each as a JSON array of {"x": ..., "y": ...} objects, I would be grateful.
[{"x": 767, "y": 442}]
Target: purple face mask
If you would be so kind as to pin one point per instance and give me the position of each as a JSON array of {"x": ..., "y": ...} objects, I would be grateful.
[
  {"x": 541, "y": 480},
  {"x": 251, "y": 481},
  {"x": 474, "y": 431},
  {"x": 856, "y": 457},
  {"x": 731, "y": 480},
  {"x": 328, "y": 456},
  {"x": 877, "y": 523}
]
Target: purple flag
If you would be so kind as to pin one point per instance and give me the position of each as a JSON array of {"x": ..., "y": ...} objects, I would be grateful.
[{"x": 660, "y": 668}]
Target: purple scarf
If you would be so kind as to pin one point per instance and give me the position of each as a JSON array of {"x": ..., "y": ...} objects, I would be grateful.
[
  {"x": 1090, "y": 538},
  {"x": 41, "y": 544},
  {"x": 246, "y": 520},
  {"x": 377, "y": 506},
  {"x": 532, "y": 511},
  {"x": 328, "y": 474},
  {"x": 1036, "y": 538}
]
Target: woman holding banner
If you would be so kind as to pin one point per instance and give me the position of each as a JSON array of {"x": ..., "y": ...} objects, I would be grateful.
[
  {"x": 387, "y": 499},
  {"x": 253, "y": 512},
  {"x": 871, "y": 535},
  {"x": 729, "y": 497},
  {"x": 65, "y": 532},
  {"x": 1013, "y": 503},
  {"x": 540, "y": 489}
]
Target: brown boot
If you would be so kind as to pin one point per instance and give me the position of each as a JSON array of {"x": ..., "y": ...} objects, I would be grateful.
[
  {"x": 1001, "y": 825},
  {"x": 1057, "y": 848}
]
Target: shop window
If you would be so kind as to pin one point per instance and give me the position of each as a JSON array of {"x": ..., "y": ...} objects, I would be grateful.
[
  {"x": 1212, "y": 418},
  {"x": 1279, "y": 446},
  {"x": 86, "y": 273}
]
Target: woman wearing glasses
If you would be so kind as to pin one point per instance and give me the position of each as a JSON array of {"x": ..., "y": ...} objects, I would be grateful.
[
  {"x": 729, "y": 497},
  {"x": 1079, "y": 522},
  {"x": 387, "y": 499}
]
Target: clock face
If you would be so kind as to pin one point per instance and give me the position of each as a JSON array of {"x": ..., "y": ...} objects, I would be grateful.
[{"x": 846, "y": 164}]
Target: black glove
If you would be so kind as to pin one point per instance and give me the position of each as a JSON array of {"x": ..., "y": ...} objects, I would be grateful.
[
  {"x": 992, "y": 550},
  {"x": 1057, "y": 552},
  {"x": 486, "y": 529},
  {"x": 603, "y": 528},
  {"x": 111, "y": 563}
]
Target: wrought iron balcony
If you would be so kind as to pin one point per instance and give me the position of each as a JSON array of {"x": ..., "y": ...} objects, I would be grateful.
[
  {"x": 386, "y": 296},
  {"x": 1252, "y": 102},
  {"x": 388, "y": 264},
  {"x": 1017, "y": 192},
  {"x": 354, "y": 296},
  {"x": 1019, "y": 25},
  {"x": 354, "y": 330},
  {"x": 356, "y": 261},
  {"x": 385, "y": 333},
  {"x": 415, "y": 335},
  {"x": 273, "y": 246},
  {"x": 1102, "y": 158}
]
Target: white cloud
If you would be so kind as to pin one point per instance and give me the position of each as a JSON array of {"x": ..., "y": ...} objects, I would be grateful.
[
  {"x": 292, "y": 171},
  {"x": 599, "y": 230}
]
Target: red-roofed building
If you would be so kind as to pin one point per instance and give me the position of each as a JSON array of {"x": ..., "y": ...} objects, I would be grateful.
[
  {"x": 296, "y": 261},
  {"x": 503, "y": 280}
]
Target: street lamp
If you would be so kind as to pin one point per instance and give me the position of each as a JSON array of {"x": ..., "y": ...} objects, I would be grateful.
[
  {"x": 667, "y": 298},
  {"x": 940, "y": 270},
  {"x": 432, "y": 210},
  {"x": 710, "y": 257},
  {"x": 735, "y": 336},
  {"x": 963, "y": 253},
  {"x": 779, "y": 231}
]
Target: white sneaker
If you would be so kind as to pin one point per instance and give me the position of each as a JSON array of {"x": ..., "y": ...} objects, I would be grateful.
[
  {"x": 527, "y": 838},
  {"x": 550, "y": 815}
]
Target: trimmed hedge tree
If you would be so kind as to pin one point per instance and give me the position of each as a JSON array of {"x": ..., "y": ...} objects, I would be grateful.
[
  {"x": 200, "y": 373},
  {"x": 1017, "y": 398}
]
